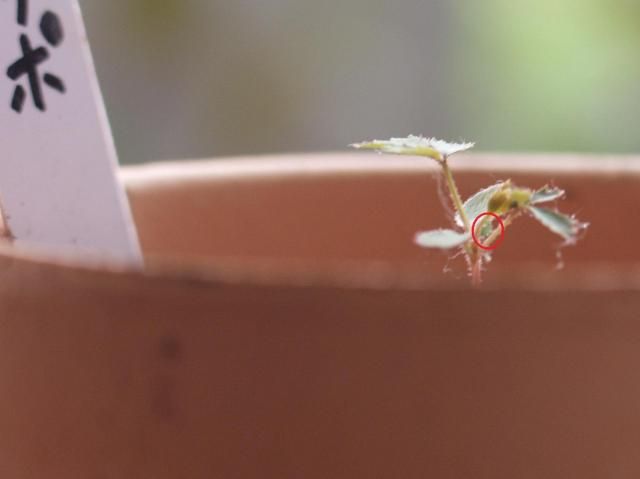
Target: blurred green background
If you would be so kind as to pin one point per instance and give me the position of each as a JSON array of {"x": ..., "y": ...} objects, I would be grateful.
[{"x": 201, "y": 78}]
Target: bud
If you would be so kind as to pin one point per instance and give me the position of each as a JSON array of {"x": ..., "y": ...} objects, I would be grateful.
[
  {"x": 499, "y": 201},
  {"x": 519, "y": 197}
]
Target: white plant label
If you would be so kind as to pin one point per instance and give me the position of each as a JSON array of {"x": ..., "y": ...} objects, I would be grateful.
[{"x": 58, "y": 168}]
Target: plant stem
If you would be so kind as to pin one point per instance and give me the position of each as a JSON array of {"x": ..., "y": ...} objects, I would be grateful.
[
  {"x": 498, "y": 231},
  {"x": 476, "y": 270},
  {"x": 475, "y": 258},
  {"x": 471, "y": 251},
  {"x": 455, "y": 195}
]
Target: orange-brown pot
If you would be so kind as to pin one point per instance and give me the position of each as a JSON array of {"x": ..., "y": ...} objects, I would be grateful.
[{"x": 286, "y": 327}]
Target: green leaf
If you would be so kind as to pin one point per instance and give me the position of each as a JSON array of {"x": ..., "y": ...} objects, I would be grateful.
[
  {"x": 479, "y": 203},
  {"x": 545, "y": 194},
  {"x": 486, "y": 227},
  {"x": 415, "y": 145},
  {"x": 442, "y": 239},
  {"x": 558, "y": 223}
]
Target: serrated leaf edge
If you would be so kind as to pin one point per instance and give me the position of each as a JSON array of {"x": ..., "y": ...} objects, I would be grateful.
[{"x": 576, "y": 226}]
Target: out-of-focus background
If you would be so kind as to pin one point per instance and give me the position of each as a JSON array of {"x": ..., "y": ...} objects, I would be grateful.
[{"x": 202, "y": 78}]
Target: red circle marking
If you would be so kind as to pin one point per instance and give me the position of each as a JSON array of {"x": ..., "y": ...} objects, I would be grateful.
[{"x": 500, "y": 238}]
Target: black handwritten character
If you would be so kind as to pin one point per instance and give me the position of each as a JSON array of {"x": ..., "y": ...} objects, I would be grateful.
[{"x": 52, "y": 31}]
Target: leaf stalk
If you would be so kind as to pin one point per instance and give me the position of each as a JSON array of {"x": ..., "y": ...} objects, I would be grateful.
[{"x": 455, "y": 195}]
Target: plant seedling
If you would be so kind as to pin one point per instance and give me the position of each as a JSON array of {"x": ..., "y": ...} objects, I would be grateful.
[{"x": 481, "y": 220}]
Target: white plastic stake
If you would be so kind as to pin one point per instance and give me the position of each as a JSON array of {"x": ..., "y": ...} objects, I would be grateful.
[{"x": 58, "y": 167}]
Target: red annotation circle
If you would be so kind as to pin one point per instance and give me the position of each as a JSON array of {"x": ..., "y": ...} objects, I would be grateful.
[{"x": 498, "y": 242}]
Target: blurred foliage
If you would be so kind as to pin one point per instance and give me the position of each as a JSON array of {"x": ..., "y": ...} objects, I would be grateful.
[
  {"x": 549, "y": 74},
  {"x": 185, "y": 78},
  {"x": 154, "y": 17}
]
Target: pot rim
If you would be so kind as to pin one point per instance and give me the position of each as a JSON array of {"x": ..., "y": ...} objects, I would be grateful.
[
  {"x": 305, "y": 164},
  {"x": 366, "y": 275}
]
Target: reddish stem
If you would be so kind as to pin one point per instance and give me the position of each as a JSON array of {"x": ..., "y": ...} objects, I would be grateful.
[{"x": 476, "y": 268}]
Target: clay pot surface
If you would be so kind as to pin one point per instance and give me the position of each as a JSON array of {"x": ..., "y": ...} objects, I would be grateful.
[{"x": 286, "y": 326}]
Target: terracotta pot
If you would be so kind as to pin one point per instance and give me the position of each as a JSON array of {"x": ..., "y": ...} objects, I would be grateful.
[{"x": 286, "y": 326}]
